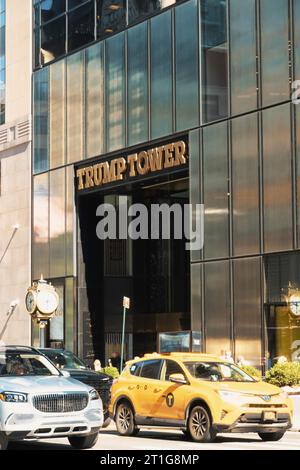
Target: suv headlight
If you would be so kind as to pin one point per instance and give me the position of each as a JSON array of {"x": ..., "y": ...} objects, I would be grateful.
[
  {"x": 284, "y": 395},
  {"x": 14, "y": 397},
  {"x": 231, "y": 397},
  {"x": 94, "y": 395}
]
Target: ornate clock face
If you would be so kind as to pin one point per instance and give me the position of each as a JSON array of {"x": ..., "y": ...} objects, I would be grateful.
[
  {"x": 295, "y": 305},
  {"x": 30, "y": 302},
  {"x": 47, "y": 302}
]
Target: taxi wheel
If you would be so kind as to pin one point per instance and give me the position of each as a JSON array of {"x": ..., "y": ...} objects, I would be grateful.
[
  {"x": 199, "y": 425},
  {"x": 3, "y": 441},
  {"x": 271, "y": 436},
  {"x": 125, "y": 420}
]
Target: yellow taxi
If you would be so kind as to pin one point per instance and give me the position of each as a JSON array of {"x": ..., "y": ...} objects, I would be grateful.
[{"x": 199, "y": 394}]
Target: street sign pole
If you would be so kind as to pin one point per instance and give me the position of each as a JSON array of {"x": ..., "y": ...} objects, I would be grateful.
[
  {"x": 126, "y": 305},
  {"x": 123, "y": 339}
]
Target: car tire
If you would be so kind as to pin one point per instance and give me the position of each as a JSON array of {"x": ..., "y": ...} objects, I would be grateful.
[
  {"x": 199, "y": 427},
  {"x": 3, "y": 441},
  {"x": 84, "y": 442},
  {"x": 271, "y": 436},
  {"x": 125, "y": 420}
]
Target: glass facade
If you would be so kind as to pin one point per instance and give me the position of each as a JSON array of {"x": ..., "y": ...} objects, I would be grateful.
[
  {"x": 62, "y": 26},
  {"x": 224, "y": 84},
  {"x": 2, "y": 61}
]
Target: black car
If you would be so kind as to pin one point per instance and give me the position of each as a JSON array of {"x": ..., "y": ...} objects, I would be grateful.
[{"x": 78, "y": 370}]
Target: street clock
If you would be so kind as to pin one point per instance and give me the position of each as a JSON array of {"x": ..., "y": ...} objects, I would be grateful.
[
  {"x": 295, "y": 305},
  {"x": 42, "y": 300},
  {"x": 30, "y": 301}
]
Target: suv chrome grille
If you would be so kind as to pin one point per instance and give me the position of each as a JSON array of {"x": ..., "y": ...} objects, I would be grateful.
[{"x": 61, "y": 403}]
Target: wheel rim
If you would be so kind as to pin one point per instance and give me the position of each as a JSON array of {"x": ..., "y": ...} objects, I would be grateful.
[
  {"x": 199, "y": 423},
  {"x": 124, "y": 418}
]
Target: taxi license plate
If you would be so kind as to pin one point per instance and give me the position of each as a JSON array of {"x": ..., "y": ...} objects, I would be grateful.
[{"x": 269, "y": 416}]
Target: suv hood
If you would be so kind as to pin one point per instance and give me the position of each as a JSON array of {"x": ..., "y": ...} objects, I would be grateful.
[
  {"x": 255, "y": 388},
  {"x": 49, "y": 384}
]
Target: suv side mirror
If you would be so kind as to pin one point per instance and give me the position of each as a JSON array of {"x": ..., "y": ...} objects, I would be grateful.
[
  {"x": 66, "y": 374},
  {"x": 178, "y": 379}
]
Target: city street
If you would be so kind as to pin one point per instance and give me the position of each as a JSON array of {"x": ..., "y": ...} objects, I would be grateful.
[{"x": 154, "y": 440}]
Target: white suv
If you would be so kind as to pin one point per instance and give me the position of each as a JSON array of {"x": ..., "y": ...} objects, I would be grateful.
[{"x": 39, "y": 401}]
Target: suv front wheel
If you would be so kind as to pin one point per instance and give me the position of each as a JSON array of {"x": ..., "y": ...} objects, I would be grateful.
[
  {"x": 125, "y": 420},
  {"x": 199, "y": 426},
  {"x": 84, "y": 442}
]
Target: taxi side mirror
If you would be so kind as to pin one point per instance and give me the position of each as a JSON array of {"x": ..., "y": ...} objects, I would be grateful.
[
  {"x": 256, "y": 379},
  {"x": 178, "y": 379}
]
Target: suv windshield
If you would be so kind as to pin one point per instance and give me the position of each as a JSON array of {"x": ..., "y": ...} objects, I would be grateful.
[
  {"x": 217, "y": 372},
  {"x": 64, "y": 359},
  {"x": 14, "y": 364}
]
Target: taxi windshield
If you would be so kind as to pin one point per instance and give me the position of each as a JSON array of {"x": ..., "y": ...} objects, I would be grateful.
[
  {"x": 14, "y": 364},
  {"x": 217, "y": 372}
]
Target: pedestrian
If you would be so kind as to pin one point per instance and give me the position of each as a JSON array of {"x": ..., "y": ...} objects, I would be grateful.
[
  {"x": 227, "y": 356},
  {"x": 97, "y": 365},
  {"x": 115, "y": 360}
]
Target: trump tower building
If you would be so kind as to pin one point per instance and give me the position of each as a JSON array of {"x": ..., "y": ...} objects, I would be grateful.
[{"x": 209, "y": 82}]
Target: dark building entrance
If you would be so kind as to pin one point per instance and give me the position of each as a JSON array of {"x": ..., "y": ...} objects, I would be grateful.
[{"x": 155, "y": 274}]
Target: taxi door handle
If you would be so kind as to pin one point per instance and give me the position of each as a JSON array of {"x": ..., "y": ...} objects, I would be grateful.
[
  {"x": 156, "y": 390},
  {"x": 131, "y": 387}
]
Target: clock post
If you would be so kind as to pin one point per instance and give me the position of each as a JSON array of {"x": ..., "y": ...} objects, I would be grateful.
[{"x": 42, "y": 302}]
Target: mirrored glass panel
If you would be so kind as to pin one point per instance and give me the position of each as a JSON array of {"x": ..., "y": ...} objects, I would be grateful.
[
  {"x": 137, "y": 95},
  {"x": 81, "y": 26},
  {"x": 57, "y": 219},
  {"x": 275, "y": 51},
  {"x": 277, "y": 164},
  {"x": 245, "y": 185},
  {"x": 57, "y": 113},
  {"x": 53, "y": 40},
  {"x": 137, "y": 9},
  {"x": 111, "y": 17},
  {"x": 243, "y": 55},
  {"x": 40, "y": 237},
  {"x": 196, "y": 292},
  {"x": 115, "y": 92},
  {"x": 94, "y": 101},
  {"x": 195, "y": 186},
  {"x": 76, "y": 3},
  {"x": 216, "y": 191},
  {"x": 50, "y": 9},
  {"x": 297, "y": 135},
  {"x": 217, "y": 307},
  {"x": 247, "y": 311},
  {"x": 282, "y": 307},
  {"x": 40, "y": 121},
  {"x": 161, "y": 75},
  {"x": 296, "y": 25},
  {"x": 187, "y": 65},
  {"x": 75, "y": 116},
  {"x": 215, "y": 59},
  {"x": 70, "y": 220}
]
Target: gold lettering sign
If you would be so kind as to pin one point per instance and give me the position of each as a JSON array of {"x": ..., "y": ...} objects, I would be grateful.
[{"x": 137, "y": 164}]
